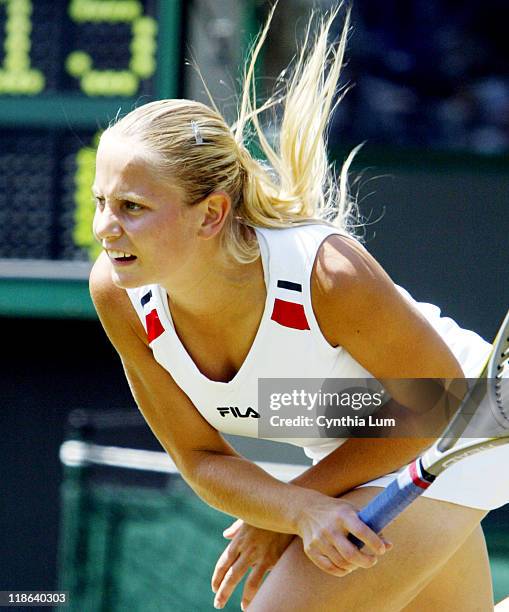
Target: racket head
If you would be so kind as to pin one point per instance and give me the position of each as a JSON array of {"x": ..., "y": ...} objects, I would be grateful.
[
  {"x": 484, "y": 412},
  {"x": 498, "y": 377}
]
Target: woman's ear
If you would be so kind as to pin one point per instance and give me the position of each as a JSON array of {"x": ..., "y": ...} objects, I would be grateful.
[{"x": 216, "y": 208}]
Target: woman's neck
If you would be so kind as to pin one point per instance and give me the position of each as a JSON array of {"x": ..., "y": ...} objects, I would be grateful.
[{"x": 229, "y": 291}]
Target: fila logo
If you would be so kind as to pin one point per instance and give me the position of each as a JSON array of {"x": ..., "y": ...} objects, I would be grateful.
[{"x": 235, "y": 411}]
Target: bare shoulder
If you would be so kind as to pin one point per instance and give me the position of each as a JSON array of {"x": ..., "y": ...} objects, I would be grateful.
[
  {"x": 348, "y": 283},
  {"x": 112, "y": 304},
  {"x": 358, "y": 306},
  {"x": 102, "y": 288}
]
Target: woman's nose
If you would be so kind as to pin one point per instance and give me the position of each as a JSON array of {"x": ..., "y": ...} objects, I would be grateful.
[{"x": 106, "y": 225}]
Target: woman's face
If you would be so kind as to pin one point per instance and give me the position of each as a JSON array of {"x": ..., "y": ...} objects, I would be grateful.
[{"x": 147, "y": 231}]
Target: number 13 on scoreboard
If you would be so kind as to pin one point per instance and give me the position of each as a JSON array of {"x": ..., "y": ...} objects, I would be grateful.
[{"x": 138, "y": 31}]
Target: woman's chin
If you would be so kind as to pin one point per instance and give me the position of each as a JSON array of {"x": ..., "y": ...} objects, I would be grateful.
[{"x": 127, "y": 281}]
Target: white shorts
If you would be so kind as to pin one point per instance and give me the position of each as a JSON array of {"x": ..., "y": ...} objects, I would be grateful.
[{"x": 479, "y": 481}]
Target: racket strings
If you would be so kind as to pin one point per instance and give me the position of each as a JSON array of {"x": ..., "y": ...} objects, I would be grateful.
[
  {"x": 502, "y": 381},
  {"x": 503, "y": 365}
]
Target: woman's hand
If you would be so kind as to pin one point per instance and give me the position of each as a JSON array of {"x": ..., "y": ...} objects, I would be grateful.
[
  {"x": 250, "y": 547},
  {"x": 324, "y": 526}
]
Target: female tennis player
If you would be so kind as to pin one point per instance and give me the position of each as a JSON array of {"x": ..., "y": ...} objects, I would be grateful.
[{"x": 217, "y": 271}]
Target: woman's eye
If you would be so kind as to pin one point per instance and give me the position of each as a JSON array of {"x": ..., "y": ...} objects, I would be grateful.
[{"x": 132, "y": 206}]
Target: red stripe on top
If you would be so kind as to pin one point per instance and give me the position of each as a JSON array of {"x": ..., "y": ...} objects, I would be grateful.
[
  {"x": 416, "y": 479},
  {"x": 154, "y": 326},
  {"x": 289, "y": 314}
]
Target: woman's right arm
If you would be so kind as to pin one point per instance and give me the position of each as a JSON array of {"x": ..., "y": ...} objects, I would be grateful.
[
  {"x": 175, "y": 422},
  {"x": 224, "y": 479}
]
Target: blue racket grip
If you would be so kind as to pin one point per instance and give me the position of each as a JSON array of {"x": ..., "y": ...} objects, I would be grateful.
[{"x": 386, "y": 506}]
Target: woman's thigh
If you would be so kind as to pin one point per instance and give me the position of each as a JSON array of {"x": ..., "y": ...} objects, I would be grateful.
[
  {"x": 465, "y": 580},
  {"x": 425, "y": 536}
]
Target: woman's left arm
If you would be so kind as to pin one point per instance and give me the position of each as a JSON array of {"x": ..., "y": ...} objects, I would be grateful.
[{"x": 358, "y": 307}]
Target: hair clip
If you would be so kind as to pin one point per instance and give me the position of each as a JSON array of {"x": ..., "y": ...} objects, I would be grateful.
[{"x": 197, "y": 134}]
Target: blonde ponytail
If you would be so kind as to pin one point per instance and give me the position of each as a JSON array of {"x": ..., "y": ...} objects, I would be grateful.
[
  {"x": 302, "y": 186},
  {"x": 295, "y": 184}
]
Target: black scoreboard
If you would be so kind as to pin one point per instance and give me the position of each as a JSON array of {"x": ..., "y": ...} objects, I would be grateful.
[{"x": 67, "y": 67}]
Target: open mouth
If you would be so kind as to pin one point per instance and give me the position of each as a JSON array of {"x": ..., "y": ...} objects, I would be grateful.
[{"x": 121, "y": 257}]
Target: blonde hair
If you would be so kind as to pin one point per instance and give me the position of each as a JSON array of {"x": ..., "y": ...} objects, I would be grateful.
[{"x": 195, "y": 147}]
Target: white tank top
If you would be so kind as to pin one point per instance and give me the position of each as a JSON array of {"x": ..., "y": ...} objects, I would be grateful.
[{"x": 288, "y": 343}]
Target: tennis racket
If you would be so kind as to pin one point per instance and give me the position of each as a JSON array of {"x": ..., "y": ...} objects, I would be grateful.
[{"x": 485, "y": 408}]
